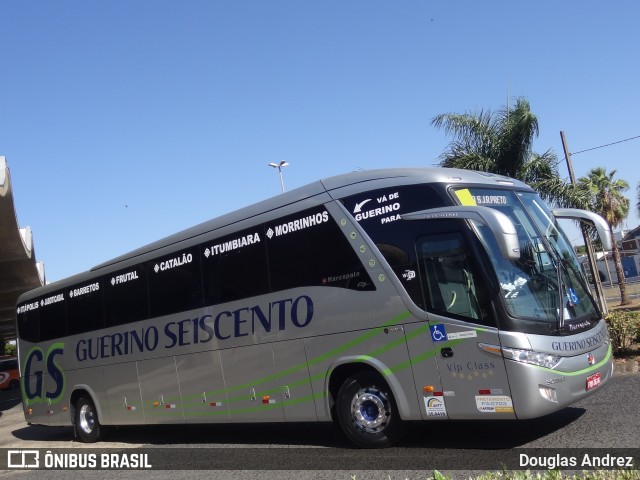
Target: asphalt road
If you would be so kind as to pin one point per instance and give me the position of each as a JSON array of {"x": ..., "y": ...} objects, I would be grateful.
[{"x": 608, "y": 419}]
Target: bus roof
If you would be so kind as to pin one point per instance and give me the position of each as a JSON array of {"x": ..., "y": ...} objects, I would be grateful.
[{"x": 357, "y": 181}]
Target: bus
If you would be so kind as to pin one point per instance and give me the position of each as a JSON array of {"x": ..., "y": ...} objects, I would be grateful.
[
  {"x": 368, "y": 299},
  {"x": 9, "y": 376}
]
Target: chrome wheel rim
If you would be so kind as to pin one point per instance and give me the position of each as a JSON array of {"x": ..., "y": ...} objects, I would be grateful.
[
  {"x": 87, "y": 419},
  {"x": 370, "y": 410}
]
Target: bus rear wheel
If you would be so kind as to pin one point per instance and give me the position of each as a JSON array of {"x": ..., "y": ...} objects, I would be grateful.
[
  {"x": 366, "y": 411},
  {"x": 87, "y": 425}
]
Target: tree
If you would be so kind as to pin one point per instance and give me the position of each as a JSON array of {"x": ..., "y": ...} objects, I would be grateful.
[
  {"x": 501, "y": 142},
  {"x": 581, "y": 250},
  {"x": 608, "y": 201},
  {"x": 7, "y": 349}
]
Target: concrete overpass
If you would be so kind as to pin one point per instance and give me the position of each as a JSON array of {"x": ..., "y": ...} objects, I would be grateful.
[{"x": 19, "y": 270}]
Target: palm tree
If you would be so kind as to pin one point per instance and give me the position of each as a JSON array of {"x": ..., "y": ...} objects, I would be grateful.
[
  {"x": 608, "y": 202},
  {"x": 502, "y": 143}
]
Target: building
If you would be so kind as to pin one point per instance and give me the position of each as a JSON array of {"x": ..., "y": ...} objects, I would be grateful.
[{"x": 19, "y": 270}]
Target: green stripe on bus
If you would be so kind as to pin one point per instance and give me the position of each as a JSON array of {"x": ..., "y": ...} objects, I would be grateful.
[
  {"x": 305, "y": 365},
  {"x": 584, "y": 370},
  {"x": 196, "y": 399}
]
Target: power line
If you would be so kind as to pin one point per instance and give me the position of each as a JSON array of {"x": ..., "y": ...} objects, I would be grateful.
[{"x": 607, "y": 145}]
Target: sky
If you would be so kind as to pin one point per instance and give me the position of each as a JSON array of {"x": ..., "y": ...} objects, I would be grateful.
[{"x": 125, "y": 121}]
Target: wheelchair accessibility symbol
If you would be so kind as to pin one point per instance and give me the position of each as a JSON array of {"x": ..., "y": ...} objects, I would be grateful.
[{"x": 438, "y": 333}]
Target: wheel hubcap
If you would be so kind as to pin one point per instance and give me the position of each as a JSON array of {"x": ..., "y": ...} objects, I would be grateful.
[
  {"x": 370, "y": 410},
  {"x": 87, "y": 419}
]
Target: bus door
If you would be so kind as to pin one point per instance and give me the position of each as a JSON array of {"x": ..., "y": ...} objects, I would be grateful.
[{"x": 474, "y": 381}]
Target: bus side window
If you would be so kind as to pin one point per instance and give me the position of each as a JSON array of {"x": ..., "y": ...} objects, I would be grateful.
[
  {"x": 451, "y": 281},
  {"x": 308, "y": 248},
  {"x": 29, "y": 326},
  {"x": 175, "y": 282},
  {"x": 126, "y": 297},
  {"x": 404, "y": 266},
  {"x": 235, "y": 267},
  {"x": 84, "y": 308},
  {"x": 52, "y": 316}
]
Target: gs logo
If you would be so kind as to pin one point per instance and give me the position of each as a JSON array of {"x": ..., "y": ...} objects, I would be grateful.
[{"x": 35, "y": 365}]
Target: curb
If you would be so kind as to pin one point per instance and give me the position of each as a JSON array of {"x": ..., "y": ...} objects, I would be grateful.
[{"x": 625, "y": 367}]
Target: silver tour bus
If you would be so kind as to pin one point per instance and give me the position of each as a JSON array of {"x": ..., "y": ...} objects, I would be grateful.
[{"x": 368, "y": 299}]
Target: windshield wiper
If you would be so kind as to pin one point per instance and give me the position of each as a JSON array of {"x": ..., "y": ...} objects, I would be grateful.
[{"x": 558, "y": 262}]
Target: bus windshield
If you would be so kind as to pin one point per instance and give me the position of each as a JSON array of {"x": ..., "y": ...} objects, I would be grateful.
[{"x": 545, "y": 284}]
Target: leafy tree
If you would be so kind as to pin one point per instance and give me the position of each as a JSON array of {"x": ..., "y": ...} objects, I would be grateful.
[
  {"x": 8, "y": 349},
  {"x": 608, "y": 201},
  {"x": 501, "y": 142},
  {"x": 4, "y": 348},
  {"x": 581, "y": 250}
]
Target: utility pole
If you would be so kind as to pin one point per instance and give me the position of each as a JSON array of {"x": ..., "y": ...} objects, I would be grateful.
[{"x": 587, "y": 241}]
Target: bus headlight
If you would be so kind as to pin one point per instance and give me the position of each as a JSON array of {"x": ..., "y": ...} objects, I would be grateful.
[
  {"x": 541, "y": 359},
  {"x": 531, "y": 357}
]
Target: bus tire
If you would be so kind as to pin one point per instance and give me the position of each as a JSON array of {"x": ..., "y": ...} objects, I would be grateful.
[
  {"x": 367, "y": 413},
  {"x": 87, "y": 425}
]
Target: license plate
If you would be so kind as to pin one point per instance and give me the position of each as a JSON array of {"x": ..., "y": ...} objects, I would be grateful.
[{"x": 593, "y": 381}]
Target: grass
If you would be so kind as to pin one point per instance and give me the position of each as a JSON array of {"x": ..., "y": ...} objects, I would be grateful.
[
  {"x": 632, "y": 353},
  {"x": 548, "y": 475}
]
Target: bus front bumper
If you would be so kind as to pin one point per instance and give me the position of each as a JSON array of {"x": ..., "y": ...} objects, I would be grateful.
[{"x": 538, "y": 391}]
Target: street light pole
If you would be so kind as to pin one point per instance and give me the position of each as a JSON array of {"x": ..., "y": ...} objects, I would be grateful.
[{"x": 279, "y": 166}]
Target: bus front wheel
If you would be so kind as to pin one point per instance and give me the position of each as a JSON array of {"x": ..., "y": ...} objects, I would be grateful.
[
  {"x": 87, "y": 425},
  {"x": 366, "y": 411}
]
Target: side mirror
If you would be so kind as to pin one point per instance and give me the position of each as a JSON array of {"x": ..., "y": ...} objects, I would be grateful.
[
  {"x": 584, "y": 215},
  {"x": 502, "y": 227}
]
